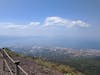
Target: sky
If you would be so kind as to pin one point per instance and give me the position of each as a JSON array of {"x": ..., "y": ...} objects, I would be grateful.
[{"x": 75, "y": 19}]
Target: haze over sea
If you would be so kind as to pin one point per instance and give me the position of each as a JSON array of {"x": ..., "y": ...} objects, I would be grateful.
[{"x": 50, "y": 42}]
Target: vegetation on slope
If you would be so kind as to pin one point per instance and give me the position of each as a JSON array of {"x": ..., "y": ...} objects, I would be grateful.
[{"x": 88, "y": 66}]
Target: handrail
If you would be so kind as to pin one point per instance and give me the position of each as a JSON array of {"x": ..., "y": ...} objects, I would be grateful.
[
  {"x": 8, "y": 67},
  {"x": 22, "y": 70},
  {"x": 18, "y": 67},
  {"x": 8, "y": 56}
]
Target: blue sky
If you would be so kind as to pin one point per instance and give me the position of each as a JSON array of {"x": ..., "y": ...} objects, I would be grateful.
[
  {"x": 76, "y": 19},
  {"x": 24, "y": 11}
]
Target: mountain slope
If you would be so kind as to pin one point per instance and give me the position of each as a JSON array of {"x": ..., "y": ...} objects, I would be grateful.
[{"x": 37, "y": 66}]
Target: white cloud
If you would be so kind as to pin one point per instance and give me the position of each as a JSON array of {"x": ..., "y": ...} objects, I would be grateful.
[
  {"x": 39, "y": 27},
  {"x": 34, "y": 23},
  {"x": 17, "y": 26},
  {"x": 80, "y": 23},
  {"x": 49, "y": 21},
  {"x": 58, "y": 21}
]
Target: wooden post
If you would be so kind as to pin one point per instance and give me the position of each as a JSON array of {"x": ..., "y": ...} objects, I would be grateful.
[{"x": 16, "y": 67}]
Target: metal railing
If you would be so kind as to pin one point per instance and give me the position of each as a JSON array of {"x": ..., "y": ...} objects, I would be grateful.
[{"x": 6, "y": 57}]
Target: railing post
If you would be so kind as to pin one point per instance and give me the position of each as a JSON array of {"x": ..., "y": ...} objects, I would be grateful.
[{"x": 16, "y": 67}]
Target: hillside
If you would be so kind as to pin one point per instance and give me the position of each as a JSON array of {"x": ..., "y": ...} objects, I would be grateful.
[{"x": 38, "y": 66}]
